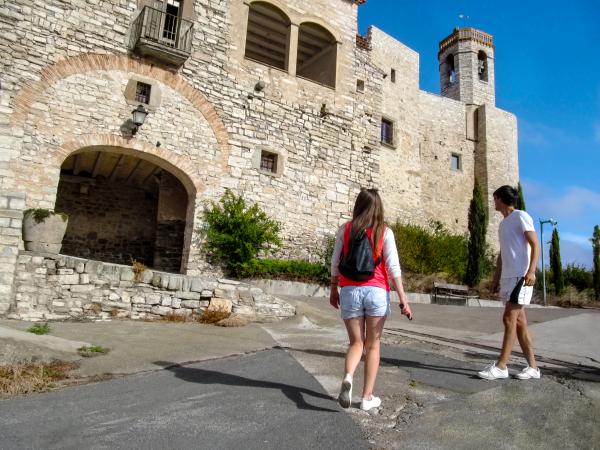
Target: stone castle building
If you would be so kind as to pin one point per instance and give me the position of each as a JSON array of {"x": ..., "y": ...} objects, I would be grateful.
[{"x": 279, "y": 100}]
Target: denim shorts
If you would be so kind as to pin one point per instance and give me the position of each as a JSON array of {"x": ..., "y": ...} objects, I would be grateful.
[{"x": 360, "y": 301}]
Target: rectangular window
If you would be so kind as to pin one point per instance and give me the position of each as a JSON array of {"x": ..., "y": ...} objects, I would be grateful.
[
  {"x": 387, "y": 132},
  {"x": 456, "y": 161},
  {"x": 142, "y": 93},
  {"x": 268, "y": 162},
  {"x": 360, "y": 85},
  {"x": 393, "y": 75}
]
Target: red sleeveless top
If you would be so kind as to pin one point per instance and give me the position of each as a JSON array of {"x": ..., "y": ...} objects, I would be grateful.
[{"x": 380, "y": 277}]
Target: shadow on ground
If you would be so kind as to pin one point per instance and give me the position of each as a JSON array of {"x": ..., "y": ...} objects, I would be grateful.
[{"x": 205, "y": 376}]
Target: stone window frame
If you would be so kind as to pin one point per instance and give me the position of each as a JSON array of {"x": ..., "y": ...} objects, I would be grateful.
[
  {"x": 483, "y": 60},
  {"x": 254, "y": 8},
  {"x": 450, "y": 69},
  {"x": 392, "y": 142},
  {"x": 280, "y": 160},
  {"x": 296, "y": 20},
  {"x": 187, "y": 11},
  {"x": 393, "y": 75},
  {"x": 155, "y": 92},
  {"x": 454, "y": 156},
  {"x": 360, "y": 86},
  {"x": 141, "y": 95}
]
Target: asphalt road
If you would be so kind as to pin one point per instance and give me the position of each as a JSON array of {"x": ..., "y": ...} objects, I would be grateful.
[{"x": 264, "y": 400}]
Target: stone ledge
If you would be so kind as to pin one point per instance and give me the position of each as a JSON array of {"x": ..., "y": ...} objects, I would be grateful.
[{"x": 52, "y": 286}]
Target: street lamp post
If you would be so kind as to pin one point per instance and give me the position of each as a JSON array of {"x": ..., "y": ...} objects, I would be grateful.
[{"x": 542, "y": 222}]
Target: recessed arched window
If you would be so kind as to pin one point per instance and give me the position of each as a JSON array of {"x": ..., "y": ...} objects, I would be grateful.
[
  {"x": 450, "y": 69},
  {"x": 482, "y": 66},
  {"x": 267, "y": 36},
  {"x": 317, "y": 54}
]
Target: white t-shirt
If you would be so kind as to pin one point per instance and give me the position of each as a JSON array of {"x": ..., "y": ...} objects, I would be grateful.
[{"x": 514, "y": 248}]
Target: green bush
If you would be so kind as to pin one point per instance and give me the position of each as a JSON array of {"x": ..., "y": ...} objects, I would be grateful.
[
  {"x": 434, "y": 250},
  {"x": 235, "y": 234},
  {"x": 578, "y": 277},
  {"x": 293, "y": 270}
]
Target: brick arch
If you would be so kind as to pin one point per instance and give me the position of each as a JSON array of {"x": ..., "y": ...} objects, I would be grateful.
[
  {"x": 180, "y": 166},
  {"x": 52, "y": 73}
]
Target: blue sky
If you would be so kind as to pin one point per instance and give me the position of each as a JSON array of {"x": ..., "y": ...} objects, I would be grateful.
[{"x": 547, "y": 60}]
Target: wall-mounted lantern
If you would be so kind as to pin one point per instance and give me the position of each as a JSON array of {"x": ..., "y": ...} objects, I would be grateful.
[{"x": 138, "y": 117}]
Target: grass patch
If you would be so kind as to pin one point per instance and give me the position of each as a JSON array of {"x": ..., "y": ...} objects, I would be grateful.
[
  {"x": 138, "y": 269},
  {"x": 26, "y": 378},
  {"x": 214, "y": 315},
  {"x": 177, "y": 318},
  {"x": 284, "y": 269},
  {"x": 233, "y": 320},
  {"x": 92, "y": 350},
  {"x": 39, "y": 329}
]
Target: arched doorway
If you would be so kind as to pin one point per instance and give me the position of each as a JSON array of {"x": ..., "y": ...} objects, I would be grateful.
[{"x": 124, "y": 207}]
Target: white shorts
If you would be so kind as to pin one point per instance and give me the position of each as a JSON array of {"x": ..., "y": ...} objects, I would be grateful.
[{"x": 513, "y": 290}]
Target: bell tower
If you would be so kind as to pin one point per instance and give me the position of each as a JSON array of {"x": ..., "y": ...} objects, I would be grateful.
[{"x": 466, "y": 59}]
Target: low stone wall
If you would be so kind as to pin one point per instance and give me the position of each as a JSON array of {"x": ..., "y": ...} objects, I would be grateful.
[{"x": 52, "y": 287}]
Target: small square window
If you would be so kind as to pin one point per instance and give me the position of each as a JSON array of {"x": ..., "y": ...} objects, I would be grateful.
[
  {"x": 393, "y": 76},
  {"x": 456, "y": 162},
  {"x": 142, "y": 92},
  {"x": 387, "y": 132},
  {"x": 360, "y": 85},
  {"x": 268, "y": 162}
]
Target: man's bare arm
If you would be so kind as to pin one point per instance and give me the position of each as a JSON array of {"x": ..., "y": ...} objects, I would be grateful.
[
  {"x": 497, "y": 274},
  {"x": 535, "y": 254}
]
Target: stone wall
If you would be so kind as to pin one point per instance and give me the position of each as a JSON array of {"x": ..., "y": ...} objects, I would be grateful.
[
  {"x": 11, "y": 221},
  {"x": 64, "y": 79},
  {"x": 54, "y": 287},
  {"x": 113, "y": 221}
]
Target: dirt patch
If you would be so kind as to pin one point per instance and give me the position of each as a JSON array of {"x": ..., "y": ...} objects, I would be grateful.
[{"x": 30, "y": 377}]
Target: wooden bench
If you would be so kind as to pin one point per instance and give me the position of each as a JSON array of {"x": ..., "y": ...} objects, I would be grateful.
[{"x": 451, "y": 294}]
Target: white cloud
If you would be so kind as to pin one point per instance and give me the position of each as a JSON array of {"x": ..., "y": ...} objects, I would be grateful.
[
  {"x": 540, "y": 135},
  {"x": 573, "y": 202},
  {"x": 574, "y": 253},
  {"x": 577, "y": 210},
  {"x": 583, "y": 241}
]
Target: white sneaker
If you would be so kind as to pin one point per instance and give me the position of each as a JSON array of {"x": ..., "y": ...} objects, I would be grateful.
[
  {"x": 492, "y": 372},
  {"x": 345, "y": 397},
  {"x": 528, "y": 373},
  {"x": 366, "y": 405}
]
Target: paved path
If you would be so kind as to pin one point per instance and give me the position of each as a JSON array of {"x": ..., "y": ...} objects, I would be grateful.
[
  {"x": 265, "y": 400},
  {"x": 283, "y": 399}
]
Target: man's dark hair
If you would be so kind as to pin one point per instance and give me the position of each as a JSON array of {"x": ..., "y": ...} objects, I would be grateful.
[{"x": 507, "y": 194}]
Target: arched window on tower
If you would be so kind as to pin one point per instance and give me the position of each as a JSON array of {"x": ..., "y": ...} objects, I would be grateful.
[
  {"x": 317, "y": 54},
  {"x": 267, "y": 36},
  {"x": 450, "y": 69},
  {"x": 482, "y": 66}
]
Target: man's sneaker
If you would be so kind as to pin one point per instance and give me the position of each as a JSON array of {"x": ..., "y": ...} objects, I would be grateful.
[
  {"x": 366, "y": 405},
  {"x": 492, "y": 372},
  {"x": 528, "y": 373},
  {"x": 345, "y": 397}
]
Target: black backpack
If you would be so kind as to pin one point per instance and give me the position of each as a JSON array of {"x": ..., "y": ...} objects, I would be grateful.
[{"x": 358, "y": 263}]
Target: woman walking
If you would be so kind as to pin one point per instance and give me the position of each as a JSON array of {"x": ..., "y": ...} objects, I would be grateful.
[{"x": 364, "y": 259}]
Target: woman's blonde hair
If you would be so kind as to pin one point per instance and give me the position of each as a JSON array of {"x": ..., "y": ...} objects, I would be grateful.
[{"x": 367, "y": 213}]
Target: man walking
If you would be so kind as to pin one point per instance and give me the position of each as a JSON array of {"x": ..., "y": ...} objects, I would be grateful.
[{"x": 515, "y": 276}]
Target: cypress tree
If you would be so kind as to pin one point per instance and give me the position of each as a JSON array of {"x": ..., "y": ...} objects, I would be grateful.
[
  {"x": 556, "y": 264},
  {"x": 596, "y": 257},
  {"x": 520, "y": 199},
  {"x": 477, "y": 230}
]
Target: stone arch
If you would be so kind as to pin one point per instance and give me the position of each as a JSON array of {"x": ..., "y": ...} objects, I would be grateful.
[
  {"x": 178, "y": 166},
  {"x": 320, "y": 22},
  {"x": 89, "y": 62}
]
